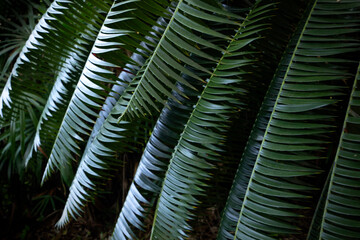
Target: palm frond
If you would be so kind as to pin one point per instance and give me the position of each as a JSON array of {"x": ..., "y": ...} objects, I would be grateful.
[
  {"x": 92, "y": 86},
  {"x": 15, "y": 36},
  {"x": 57, "y": 101},
  {"x": 44, "y": 50},
  {"x": 147, "y": 181},
  {"x": 236, "y": 196},
  {"x": 202, "y": 140},
  {"x": 341, "y": 211},
  {"x": 154, "y": 82},
  {"x": 102, "y": 144},
  {"x": 126, "y": 75},
  {"x": 302, "y": 107},
  {"x": 156, "y": 79},
  {"x": 269, "y": 50}
]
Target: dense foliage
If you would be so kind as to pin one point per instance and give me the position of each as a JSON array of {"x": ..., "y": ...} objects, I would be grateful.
[{"x": 188, "y": 91}]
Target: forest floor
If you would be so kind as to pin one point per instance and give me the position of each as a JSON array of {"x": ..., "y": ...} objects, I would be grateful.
[
  {"x": 45, "y": 229},
  {"x": 89, "y": 228}
]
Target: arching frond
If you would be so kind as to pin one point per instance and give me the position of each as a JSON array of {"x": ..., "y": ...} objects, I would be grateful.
[
  {"x": 147, "y": 181},
  {"x": 235, "y": 199},
  {"x": 152, "y": 85},
  {"x": 341, "y": 210},
  {"x": 202, "y": 139},
  {"x": 44, "y": 50},
  {"x": 126, "y": 75},
  {"x": 116, "y": 33},
  {"x": 100, "y": 150},
  {"x": 155, "y": 80},
  {"x": 294, "y": 135},
  {"x": 57, "y": 102}
]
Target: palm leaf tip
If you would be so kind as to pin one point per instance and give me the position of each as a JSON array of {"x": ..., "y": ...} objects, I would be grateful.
[
  {"x": 147, "y": 180},
  {"x": 5, "y": 97}
]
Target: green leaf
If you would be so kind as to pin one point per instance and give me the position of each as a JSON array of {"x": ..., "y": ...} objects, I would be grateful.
[
  {"x": 284, "y": 150},
  {"x": 341, "y": 217}
]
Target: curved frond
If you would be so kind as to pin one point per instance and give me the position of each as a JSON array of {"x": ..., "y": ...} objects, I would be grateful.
[
  {"x": 44, "y": 50},
  {"x": 295, "y": 136},
  {"x": 106, "y": 133},
  {"x": 202, "y": 140},
  {"x": 153, "y": 164},
  {"x": 235, "y": 199},
  {"x": 155, "y": 80},
  {"x": 341, "y": 217},
  {"x": 59, "y": 97},
  {"x": 116, "y": 33},
  {"x": 126, "y": 75}
]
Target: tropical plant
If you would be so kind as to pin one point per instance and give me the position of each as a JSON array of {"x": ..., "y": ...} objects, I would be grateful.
[
  {"x": 182, "y": 82},
  {"x": 14, "y": 33}
]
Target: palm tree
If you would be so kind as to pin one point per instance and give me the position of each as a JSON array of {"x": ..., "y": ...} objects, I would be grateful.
[{"x": 181, "y": 82}]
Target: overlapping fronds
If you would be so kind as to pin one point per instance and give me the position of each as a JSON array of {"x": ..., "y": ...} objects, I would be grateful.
[
  {"x": 235, "y": 199},
  {"x": 147, "y": 181},
  {"x": 342, "y": 213},
  {"x": 98, "y": 157},
  {"x": 92, "y": 89},
  {"x": 202, "y": 140},
  {"x": 44, "y": 50},
  {"x": 126, "y": 75},
  {"x": 154, "y": 82},
  {"x": 294, "y": 135},
  {"x": 57, "y": 102},
  {"x": 153, "y": 164},
  {"x": 152, "y": 85},
  {"x": 102, "y": 71}
]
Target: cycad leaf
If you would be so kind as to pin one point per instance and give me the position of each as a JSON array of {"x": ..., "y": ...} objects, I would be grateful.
[
  {"x": 202, "y": 140},
  {"x": 235, "y": 199},
  {"x": 99, "y": 154},
  {"x": 79, "y": 112},
  {"x": 160, "y": 69},
  {"x": 147, "y": 182},
  {"x": 43, "y": 50},
  {"x": 58, "y": 100},
  {"x": 176, "y": 44},
  {"x": 153, "y": 164},
  {"x": 301, "y": 115},
  {"x": 341, "y": 217},
  {"x": 91, "y": 88}
]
